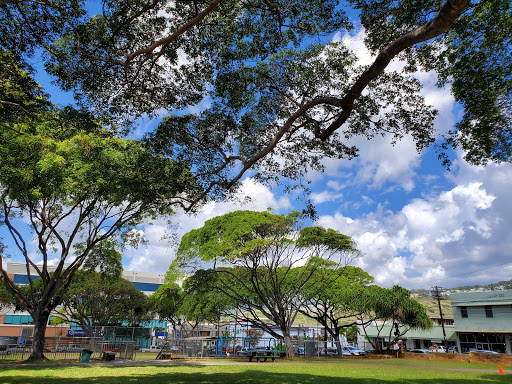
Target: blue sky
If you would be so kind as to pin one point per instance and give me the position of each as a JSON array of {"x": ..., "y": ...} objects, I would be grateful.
[{"x": 416, "y": 223}]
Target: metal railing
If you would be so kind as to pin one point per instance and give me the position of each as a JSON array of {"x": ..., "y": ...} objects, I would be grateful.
[
  {"x": 228, "y": 347},
  {"x": 70, "y": 348},
  {"x": 67, "y": 348}
]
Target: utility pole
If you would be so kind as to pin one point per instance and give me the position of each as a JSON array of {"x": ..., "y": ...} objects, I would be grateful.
[{"x": 436, "y": 294}]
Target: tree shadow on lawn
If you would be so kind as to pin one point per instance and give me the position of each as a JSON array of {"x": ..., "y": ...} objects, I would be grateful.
[{"x": 246, "y": 377}]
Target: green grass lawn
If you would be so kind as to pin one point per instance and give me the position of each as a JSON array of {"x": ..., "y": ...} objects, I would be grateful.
[
  {"x": 257, "y": 373},
  {"x": 145, "y": 355},
  {"x": 444, "y": 364}
]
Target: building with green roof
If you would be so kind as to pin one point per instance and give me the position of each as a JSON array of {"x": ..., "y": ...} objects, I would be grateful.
[{"x": 483, "y": 320}]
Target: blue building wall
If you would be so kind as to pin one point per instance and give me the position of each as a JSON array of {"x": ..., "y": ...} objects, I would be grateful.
[{"x": 145, "y": 287}]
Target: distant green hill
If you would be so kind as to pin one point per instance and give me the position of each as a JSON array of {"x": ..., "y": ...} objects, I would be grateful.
[
  {"x": 432, "y": 308},
  {"x": 502, "y": 285}
]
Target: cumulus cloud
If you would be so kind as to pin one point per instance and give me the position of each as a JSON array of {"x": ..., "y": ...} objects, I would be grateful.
[
  {"x": 448, "y": 238},
  {"x": 380, "y": 163},
  {"x": 325, "y": 196},
  {"x": 163, "y": 237}
]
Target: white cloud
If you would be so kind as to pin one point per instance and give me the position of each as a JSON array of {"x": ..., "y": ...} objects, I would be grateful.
[
  {"x": 335, "y": 185},
  {"x": 159, "y": 252},
  {"x": 379, "y": 162},
  {"x": 435, "y": 239},
  {"x": 325, "y": 196}
]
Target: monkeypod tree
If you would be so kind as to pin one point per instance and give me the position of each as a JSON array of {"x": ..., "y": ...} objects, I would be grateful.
[
  {"x": 335, "y": 305},
  {"x": 68, "y": 185},
  {"x": 272, "y": 90},
  {"x": 196, "y": 302},
  {"x": 202, "y": 303},
  {"x": 393, "y": 306},
  {"x": 262, "y": 261},
  {"x": 166, "y": 302},
  {"x": 94, "y": 300}
]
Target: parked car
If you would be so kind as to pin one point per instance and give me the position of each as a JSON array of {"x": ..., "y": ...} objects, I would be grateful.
[
  {"x": 19, "y": 349},
  {"x": 328, "y": 351},
  {"x": 354, "y": 351},
  {"x": 333, "y": 351},
  {"x": 482, "y": 351},
  {"x": 437, "y": 349},
  {"x": 418, "y": 350},
  {"x": 69, "y": 348},
  {"x": 453, "y": 349},
  {"x": 152, "y": 348}
]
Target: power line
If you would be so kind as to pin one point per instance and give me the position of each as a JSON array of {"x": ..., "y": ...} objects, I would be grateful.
[{"x": 480, "y": 270}]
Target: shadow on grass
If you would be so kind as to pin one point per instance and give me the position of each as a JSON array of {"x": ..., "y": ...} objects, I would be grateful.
[{"x": 198, "y": 375}]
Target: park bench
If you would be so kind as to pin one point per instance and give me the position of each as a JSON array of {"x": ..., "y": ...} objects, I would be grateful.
[{"x": 263, "y": 354}]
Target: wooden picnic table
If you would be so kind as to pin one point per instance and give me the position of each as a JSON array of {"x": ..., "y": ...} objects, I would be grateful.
[{"x": 263, "y": 354}]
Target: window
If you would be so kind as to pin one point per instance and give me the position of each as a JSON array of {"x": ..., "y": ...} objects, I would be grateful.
[
  {"x": 18, "y": 319},
  {"x": 488, "y": 311},
  {"x": 464, "y": 312}
]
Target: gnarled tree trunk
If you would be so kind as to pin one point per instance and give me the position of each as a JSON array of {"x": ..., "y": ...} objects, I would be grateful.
[{"x": 40, "y": 317}]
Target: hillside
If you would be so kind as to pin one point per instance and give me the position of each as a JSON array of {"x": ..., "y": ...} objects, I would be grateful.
[
  {"x": 502, "y": 285},
  {"x": 433, "y": 309}
]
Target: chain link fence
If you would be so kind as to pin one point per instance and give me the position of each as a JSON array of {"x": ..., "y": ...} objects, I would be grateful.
[
  {"x": 126, "y": 343},
  {"x": 239, "y": 347},
  {"x": 67, "y": 348}
]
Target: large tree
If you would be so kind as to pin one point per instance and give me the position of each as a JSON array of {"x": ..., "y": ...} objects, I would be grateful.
[
  {"x": 67, "y": 185},
  {"x": 335, "y": 305},
  {"x": 166, "y": 302},
  {"x": 262, "y": 261},
  {"x": 393, "y": 308},
  {"x": 271, "y": 91},
  {"x": 94, "y": 300}
]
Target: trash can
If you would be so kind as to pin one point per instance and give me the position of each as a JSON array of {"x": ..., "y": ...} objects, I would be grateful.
[
  {"x": 109, "y": 356},
  {"x": 86, "y": 355}
]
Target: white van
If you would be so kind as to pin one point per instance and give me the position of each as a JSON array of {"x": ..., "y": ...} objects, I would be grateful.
[{"x": 153, "y": 348}]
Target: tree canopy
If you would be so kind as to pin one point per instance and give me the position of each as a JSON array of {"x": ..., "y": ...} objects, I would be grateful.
[
  {"x": 272, "y": 90},
  {"x": 74, "y": 188},
  {"x": 336, "y": 305},
  {"x": 393, "y": 306},
  {"x": 166, "y": 302},
  {"x": 261, "y": 263},
  {"x": 204, "y": 302},
  {"x": 93, "y": 299}
]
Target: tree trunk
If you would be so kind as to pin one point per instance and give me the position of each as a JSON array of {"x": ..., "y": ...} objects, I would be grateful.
[
  {"x": 40, "y": 317},
  {"x": 289, "y": 345},
  {"x": 339, "y": 347}
]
